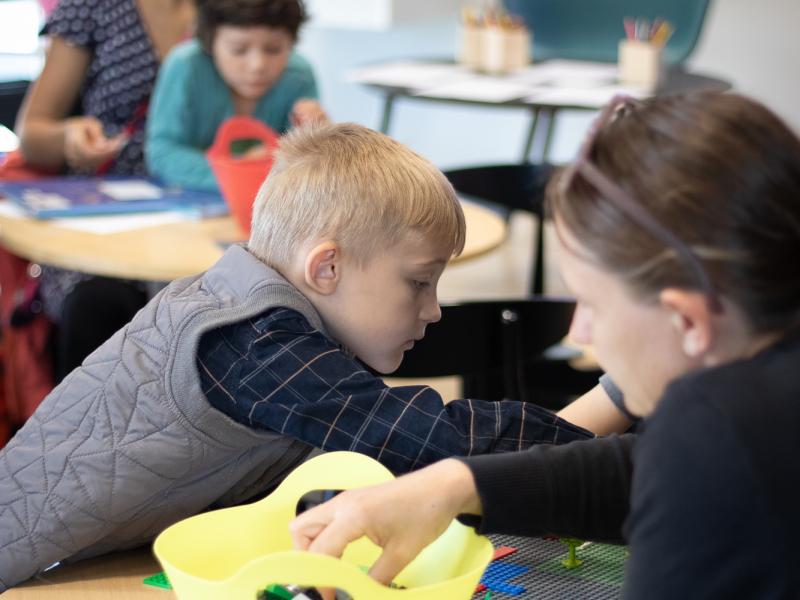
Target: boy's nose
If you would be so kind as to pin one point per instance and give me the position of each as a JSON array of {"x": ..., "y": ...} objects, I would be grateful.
[
  {"x": 432, "y": 312},
  {"x": 581, "y": 328}
]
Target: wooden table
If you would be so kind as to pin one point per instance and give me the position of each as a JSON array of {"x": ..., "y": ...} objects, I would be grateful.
[
  {"x": 164, "y": 252},
  {"x": 119, "y": 576},
  {"x": 116, "y": 576}
]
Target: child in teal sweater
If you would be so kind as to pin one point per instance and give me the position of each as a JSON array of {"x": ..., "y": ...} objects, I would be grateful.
[{"x": 242, "y": 62}]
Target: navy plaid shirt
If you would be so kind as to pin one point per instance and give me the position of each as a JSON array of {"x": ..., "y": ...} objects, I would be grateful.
[{"x": 276, "y": 372}]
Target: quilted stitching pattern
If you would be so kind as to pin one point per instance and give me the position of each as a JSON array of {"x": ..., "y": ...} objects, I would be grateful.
[{"x": 107, "y": 461}]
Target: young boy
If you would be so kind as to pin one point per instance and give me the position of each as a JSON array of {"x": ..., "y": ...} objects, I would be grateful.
[
  {"x": 227, "y": 380},
  {"x": 242, "y": 62}
]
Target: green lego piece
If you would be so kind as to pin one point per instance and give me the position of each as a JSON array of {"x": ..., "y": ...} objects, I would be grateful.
[
  {"x": 159, "y": 580},
  {"x": 571, "y": 562},
  {"x": 274, "y": 592}
]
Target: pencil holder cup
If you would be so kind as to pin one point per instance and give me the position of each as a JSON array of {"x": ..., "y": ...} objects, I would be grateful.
[
  {"x": 235, "y": 553},
  {"x": 240, "y": 178},
  {"x": 469, "y": 51},
  {"x": 519, "y": 44},
  {"x": 503, "y": 49},
  {"x": 640, "y": 64}
]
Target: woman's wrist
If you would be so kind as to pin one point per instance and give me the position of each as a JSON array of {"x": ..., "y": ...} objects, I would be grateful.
[{"x": 457, "y": 477}]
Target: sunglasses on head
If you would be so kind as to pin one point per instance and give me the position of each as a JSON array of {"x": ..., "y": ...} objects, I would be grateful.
[{"x": 611, "y": 191}]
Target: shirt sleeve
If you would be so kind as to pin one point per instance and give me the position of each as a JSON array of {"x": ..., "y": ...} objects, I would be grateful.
[
  {"x": 698, "y": 515},
  {"x": 74, "y": 21},
  {"x": 579, "y": 490},
  {"x": 617, "y": 398},
  {"x": 295, "y": 381},
  {"x": 169, "y": 152}
]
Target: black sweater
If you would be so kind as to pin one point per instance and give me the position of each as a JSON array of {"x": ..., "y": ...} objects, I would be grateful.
[{"x": 705, "y": 495}]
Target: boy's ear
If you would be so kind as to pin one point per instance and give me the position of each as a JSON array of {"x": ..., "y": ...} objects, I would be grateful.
[
  {"x": 692, "y": 319},
  {"x": 323, "y": 267}
]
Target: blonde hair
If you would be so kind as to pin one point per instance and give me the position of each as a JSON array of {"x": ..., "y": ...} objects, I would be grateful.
[{"x": 355, "y": 186}]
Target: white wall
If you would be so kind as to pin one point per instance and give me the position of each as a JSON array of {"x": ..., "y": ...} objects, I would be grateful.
[
  {"x": 756, "y": 46},
  {"x": 753, "y": 45}
]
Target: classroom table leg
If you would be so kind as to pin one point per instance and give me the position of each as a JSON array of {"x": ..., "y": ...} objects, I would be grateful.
[
  {"x": 551, "y": 127},
  {"x": 386, "y": 117},
  {"x": 531, "y": 135}
]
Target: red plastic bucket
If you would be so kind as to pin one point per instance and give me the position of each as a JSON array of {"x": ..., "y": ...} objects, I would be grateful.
[{"x": 240, "y": 178}]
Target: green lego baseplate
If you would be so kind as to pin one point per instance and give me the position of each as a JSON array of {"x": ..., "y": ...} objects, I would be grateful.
[{"x": 599, "y": 575}]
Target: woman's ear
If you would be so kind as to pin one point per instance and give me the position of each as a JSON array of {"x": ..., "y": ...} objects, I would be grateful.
[
  {"x": 323, "y": 267},
  {"x": 692, "y": 319}
]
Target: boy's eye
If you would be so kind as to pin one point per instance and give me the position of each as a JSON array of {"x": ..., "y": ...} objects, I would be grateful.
[{"x": 420, "y": 285}]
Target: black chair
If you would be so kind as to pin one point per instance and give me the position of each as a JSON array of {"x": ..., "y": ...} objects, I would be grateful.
[
  {"x": 496, "y": 346},
  {"x": 511, "y": 187},
  {"x": 11, "y": 95}
]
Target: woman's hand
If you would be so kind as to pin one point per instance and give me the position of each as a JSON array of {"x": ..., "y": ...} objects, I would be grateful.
[
  {"x": 86, "y": 146},
  {"x": 307, "y": 111},
  {"x": 401, "y": 516}
]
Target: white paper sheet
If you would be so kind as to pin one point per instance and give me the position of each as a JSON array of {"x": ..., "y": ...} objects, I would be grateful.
[
  {"x": 102, "y": 225},
  {"x": 130, "y": 190},
  {"x": 571, "y": 73},
  {"x": 409, "y": 74},
  {"x": 9, "y": 209},
  {"x": 580, "y": 96},
  {"x": 480, "y": 89}
]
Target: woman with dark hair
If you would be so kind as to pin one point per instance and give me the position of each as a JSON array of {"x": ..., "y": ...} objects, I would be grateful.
[
  {"x": 678, "y": 223},
  {"x": 241, "y": 63}
]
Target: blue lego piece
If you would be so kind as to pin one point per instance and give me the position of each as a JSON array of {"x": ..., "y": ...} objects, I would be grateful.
[
  {"x": 514, "y": 590},
  {"x": 497, "y": 575}
]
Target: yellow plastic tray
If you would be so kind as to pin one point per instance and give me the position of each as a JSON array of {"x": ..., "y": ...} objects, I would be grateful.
[{"x": 234, "y": 553}]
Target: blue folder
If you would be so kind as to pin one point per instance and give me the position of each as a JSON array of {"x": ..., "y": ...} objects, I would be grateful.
[{"x": 56, "y": 197}]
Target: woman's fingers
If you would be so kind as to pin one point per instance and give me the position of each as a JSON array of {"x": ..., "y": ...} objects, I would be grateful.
[
  {"x": 86, "y": 145},
  {"x": 334, "y": 537},
  {"x": 390, "y": 563},
  {"x": 402, "y": 516}
]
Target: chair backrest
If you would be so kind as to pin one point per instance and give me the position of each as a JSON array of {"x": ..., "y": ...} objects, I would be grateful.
[
  {"x": 489, "y": 342},
  {"x": 512, "y": 187},
  {"x": 11, "y": 95},
  {"x": 591, "y": 29}
]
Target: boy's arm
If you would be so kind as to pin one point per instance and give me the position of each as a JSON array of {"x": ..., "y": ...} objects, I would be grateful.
[
  {"x": 169, "y": 153},
  {"x": 597, "y": 410},
  {"x": 295, "y": 381}
]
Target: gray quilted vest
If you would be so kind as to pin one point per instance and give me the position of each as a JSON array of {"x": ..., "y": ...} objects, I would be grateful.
[{"x": 127, "y": 444}]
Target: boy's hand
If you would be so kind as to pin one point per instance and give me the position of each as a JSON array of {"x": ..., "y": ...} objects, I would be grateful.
[
  {"x": 307, "y": 111},
  {"x": 86, "y": 146},
  {"x": 402, "y": 516}
]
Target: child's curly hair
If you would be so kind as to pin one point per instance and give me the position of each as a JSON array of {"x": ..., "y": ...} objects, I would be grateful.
[{"x": 278, "y": 14}]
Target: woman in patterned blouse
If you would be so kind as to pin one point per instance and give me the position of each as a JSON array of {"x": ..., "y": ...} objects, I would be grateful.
[{"x": 86, "y": 114}]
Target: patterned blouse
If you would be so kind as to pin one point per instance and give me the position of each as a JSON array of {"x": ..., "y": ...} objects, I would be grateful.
[
  {"x": 116, "y": 91},
  {"x": 122, "y": 71}
]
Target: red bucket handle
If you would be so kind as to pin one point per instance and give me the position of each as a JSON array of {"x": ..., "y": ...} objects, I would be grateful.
[{"x": 239, "y": 127}]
